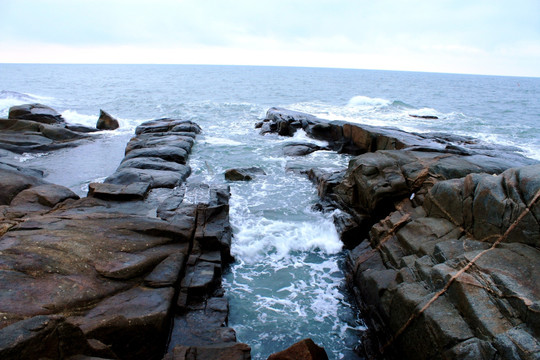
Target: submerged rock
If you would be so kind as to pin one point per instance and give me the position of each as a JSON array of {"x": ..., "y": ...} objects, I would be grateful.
[
  {"x": 106, "y": 121},
  {"x": 301, "y": 149},
  {"x": 243, "y": 174}
]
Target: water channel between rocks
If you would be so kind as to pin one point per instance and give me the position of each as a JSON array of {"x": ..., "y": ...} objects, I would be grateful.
[{"x": 287, "y": 281}]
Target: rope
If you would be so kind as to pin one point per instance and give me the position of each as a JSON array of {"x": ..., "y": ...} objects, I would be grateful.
[{"x": 460, "y": 272}]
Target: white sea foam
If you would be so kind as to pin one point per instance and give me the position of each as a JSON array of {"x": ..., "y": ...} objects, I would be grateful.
[
  {"x": 73, "y": 117},
  {"x": 30, "y": 156},
  {"x": 301, "y": 136},
  {"x": 366, "y": 101},
  {"x": 220, "y": 141},
  {"x": 277, "y": 239},
  {"x": 13, "y": 98}
]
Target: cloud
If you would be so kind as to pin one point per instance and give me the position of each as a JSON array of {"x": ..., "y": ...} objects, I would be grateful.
[{"x": 399, "y": 34}]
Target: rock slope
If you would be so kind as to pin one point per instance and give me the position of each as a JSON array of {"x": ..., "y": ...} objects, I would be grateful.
[
  {"x": 444, "y": 235},
  {"x": 133, "y": 271}
]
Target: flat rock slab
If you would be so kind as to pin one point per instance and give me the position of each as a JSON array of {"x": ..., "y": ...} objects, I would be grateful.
[{"x": 136, "y": 190}]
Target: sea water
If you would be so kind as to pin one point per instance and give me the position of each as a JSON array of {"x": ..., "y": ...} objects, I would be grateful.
[{"x": 287, "y": 282}]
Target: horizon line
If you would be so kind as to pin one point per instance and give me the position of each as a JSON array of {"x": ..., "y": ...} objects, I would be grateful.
[{"x": 265, "y": 65}]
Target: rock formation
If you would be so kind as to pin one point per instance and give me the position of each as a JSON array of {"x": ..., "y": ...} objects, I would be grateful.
[
  {"x": 38, "y": 128},
  {"x": 303, "y": 350},
  {"x": 106, "y": 121},
  {"x": 35, "y": 112},
  {"x": 444, "y": 235},
  {"x": 133, "y": 271}
]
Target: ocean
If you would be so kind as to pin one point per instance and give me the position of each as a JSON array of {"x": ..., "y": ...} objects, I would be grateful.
[{"x": 287, "y": 282}]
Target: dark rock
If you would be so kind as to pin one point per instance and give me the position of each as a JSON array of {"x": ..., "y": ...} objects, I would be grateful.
[
  {"x": 429, "y": 204},
  {"x": 13, "y": 182},
  {"x": 303, "y": 350},
  {"x": 29, "y": 136},
  {"x": 167, "y": 272},
  {"x": 40, "y": 198},
  {"x": 156, "y": 178},
  {"x": 44, "y": 337},
  {"x": 35, "y": 112},
  {"x": 81, "y": 128},
  {"x": 129, "y": 319},
  {"x": 167, "y": 125},
  {"x": 112, "y": 267},
  {"x": 168, "y": 153},
  {"x": 151, "y": 140},
  {"x": 153, "y": 163},
  {"x": 203, "y": 326},
  {"x": 243, "y": 174},
  {"x": 226, "y": 351},
  {"x": 107, "y": 191},
  {"x": 424, "y": 116},
  {"x": 300, "y": 149},
  {"x": 106, "y": 121}
]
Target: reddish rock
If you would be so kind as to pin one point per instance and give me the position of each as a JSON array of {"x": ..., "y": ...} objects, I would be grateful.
[{"x": 303, "y": 350}]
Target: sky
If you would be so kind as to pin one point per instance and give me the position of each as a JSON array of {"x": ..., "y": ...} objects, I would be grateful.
[{"x": 495, "y": 37}]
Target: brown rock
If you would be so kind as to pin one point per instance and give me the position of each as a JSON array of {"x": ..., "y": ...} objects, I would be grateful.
[
  {"x": 106, "y": 121},
  {"x": 303, "y": 350}
]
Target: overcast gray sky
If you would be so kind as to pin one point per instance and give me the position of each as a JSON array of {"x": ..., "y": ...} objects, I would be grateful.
[{"x": 499, "y": 37}]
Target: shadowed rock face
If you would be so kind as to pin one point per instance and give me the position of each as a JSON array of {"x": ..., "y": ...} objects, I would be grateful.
[
  {"x": 109, "y": 275},
  {"x": 415, "y": 210}
]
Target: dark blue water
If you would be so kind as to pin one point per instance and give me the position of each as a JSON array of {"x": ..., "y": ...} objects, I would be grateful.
[{"x": 286, "y": 283}]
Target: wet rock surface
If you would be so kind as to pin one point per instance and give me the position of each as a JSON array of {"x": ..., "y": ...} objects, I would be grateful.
[
  {"x": 444, "y": 239},
  {"x": 36, "y": 127},
  {"x": 133, "y": 271},
  {"x": 243, "y": 174},
  {"x": 106, "y": 121}
]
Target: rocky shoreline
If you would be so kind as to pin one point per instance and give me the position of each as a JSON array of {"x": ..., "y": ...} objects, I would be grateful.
[
  {"x": 444, "y": 238},
  {"x": 443, "y": 235},
  {"x": 133, "y": 271}
]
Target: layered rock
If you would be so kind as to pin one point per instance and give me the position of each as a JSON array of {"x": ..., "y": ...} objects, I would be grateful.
[
  {"x": 35, "y": 112},
  {"x": 36, "y": 127},
  {"x": 445, "y": 239},
  {"x": 111, "y": 274}
]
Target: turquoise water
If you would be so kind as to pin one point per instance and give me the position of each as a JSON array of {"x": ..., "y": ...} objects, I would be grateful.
[{"x": 287, "y": 281}]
